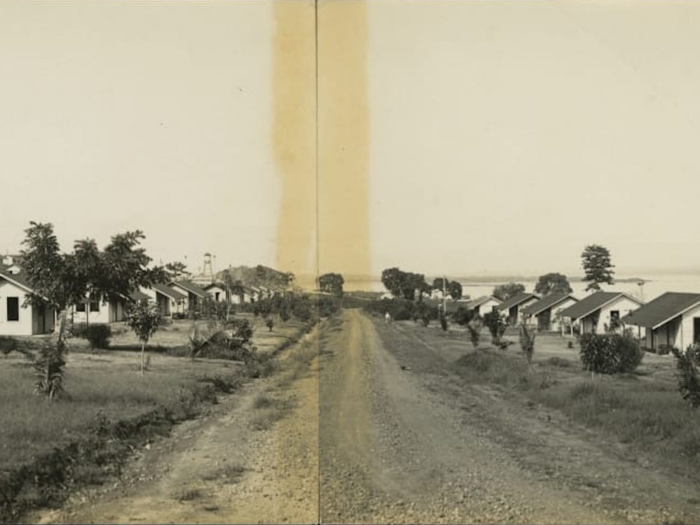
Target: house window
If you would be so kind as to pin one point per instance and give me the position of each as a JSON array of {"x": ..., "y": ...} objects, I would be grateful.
[
  {"x": 94, "y": 306},
  {"x": 13, "y": 308},
  {"x": 80, "y": 307}
]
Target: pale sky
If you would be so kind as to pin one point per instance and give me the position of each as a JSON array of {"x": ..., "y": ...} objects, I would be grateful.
[
  {"x": 140, "y": 115},
  {"x": 508, "y": 135},
  {"x": 504, "y": 136}
]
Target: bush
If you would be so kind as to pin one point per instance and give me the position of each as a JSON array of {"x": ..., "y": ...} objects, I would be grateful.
[
  {"x": 98, "y": 335},
  {"x": 496, "y": 325},
  {"x": 527, "y": 342},
  {"x": 462, "y": 315},
  {"x": 609, "y": 353},
  {"x": 687, "y": 374}
]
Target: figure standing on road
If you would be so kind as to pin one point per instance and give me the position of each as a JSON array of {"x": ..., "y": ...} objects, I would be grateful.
[{"x": 387, "y": 317}]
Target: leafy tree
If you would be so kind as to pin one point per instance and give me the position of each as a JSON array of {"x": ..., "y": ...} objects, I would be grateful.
[
  {"x": 392, "y": 279},
  {"x": 462, "y": 315},
  {"x": 177, "y": 270},
  {"x": 453, "y": 288},
  {"x": 60, "y": 280},
  {"x": 508, "y": 290},
  {"x": 270, "y": 323},
  {"x": 597, "y": 266},
  {"x": 404, "y": 284},
  {"x": 144, "y": 319},
  {"x": 551, "y": 283},
  {"x": 332, "y": 283}
]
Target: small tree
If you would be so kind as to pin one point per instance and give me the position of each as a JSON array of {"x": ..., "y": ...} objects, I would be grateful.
[
  {"x": 527, "y": 342},
  {"x": 144, "y": 319},
  {"x": 474, "y": 327},
  {"x": 597, "y": 266},
  {"x": 687, "y": 364},
  {"x": 270, "y": 323},
  {"x": 504, "y": 292},
  {"x": 496, "y": 325}
]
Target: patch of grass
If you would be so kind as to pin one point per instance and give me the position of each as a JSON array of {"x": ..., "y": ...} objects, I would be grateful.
[
  {"x": 269, "y": 411},
  {"x": 643, "y": 409},
  {"x": 561, "y": 362},
  {"x": 188, "y": 494},
  {"x": 228, "y": 474}
]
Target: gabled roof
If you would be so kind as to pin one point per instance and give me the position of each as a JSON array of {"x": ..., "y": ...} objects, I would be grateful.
[
  {"x": 594, "y": 302},
  {"x": 191, "y": 288},
  {"x": 516, "y": 300},
  {"x": 138, "y": 295},
  {"x": 547, "y": 302},
  {"x": 662, "y": 309},
  {"x": 481, "y": 301},
  {"x": 17, "y": 279},
  {"x": 213, "y": 285},
  {"x": 169, "y": 292}
]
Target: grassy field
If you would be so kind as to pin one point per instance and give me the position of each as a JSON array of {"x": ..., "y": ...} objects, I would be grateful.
[
  {"x": 642, "y": 409},
  {"x": 107, "y": 383}
]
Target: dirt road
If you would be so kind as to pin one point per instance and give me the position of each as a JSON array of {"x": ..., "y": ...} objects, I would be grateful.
[
  {"x": 404, "y": 440},
  {"x": 366, "y": 422}
]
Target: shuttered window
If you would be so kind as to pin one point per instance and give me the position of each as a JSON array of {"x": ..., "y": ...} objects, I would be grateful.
[{"x": 13, "y": 308}]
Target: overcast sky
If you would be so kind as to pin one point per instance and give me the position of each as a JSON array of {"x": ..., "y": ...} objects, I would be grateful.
[{"x": 504, "y": 136}]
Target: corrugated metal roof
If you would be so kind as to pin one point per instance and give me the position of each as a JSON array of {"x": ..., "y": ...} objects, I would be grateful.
[
  {"x": 191, "y": 287},
  {"x": 548, "y": 301},
  {"x": 593, "y": 302},
  {"x": 169, "y": 292},
  {"x": 516, "y": 300},
  {"x": 662, "y": 309},
  {"x": 481, "y": 300}
]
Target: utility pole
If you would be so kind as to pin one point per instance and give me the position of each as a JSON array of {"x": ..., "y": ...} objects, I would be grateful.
[{"x": 444, "y": 296}]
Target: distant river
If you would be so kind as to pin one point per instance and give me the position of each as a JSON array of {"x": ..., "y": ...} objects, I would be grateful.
[{"x": 655, "y": 285}]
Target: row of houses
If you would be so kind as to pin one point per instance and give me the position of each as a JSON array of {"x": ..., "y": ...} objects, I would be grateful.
[
  {"x": 176, "y": 297},
  {"x": 670, "y": 320}
]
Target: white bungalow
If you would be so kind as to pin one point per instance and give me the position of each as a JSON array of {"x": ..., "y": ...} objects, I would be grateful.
[
  {"x": 216, "y": 291},
  {"x": 600, "y": 312},
  {"x": 483, "y": 305},
  {"x": 512, "y": 308},
  {"x": 545, "y": 314},
  {"x": 671, "y": 320},
  {"x": 17, "y": 318}
]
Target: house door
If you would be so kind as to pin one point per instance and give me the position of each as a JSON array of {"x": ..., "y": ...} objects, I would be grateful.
[
  {"x": 544, "y": 321},
  {"x": 696, "y": 329},
  {"x": 42, "y": 319}
]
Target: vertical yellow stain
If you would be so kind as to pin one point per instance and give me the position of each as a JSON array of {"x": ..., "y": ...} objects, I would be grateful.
[
  {"x": 343, "y": 138},
  {"x": 320, "y": 101},
  {"x": 294, "y": 135}
]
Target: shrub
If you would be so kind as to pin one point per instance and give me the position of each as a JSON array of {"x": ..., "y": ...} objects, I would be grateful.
[
  {"x": 527, "y": 342},
  {"x": 474, "y": 327},
  {"x": 687, "y": 374},
  {"x": 496, "y": 325},
  {"x": 462, "y": 315},
  {"x": 609, "y": 353},
  {"x": 270, "y": 323},
  {"x": 98, "y": 335}
]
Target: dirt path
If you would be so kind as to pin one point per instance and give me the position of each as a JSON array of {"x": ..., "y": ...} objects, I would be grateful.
[
  {"x": 441, "y": 451},
  {"x": 252, "y": 459}
]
